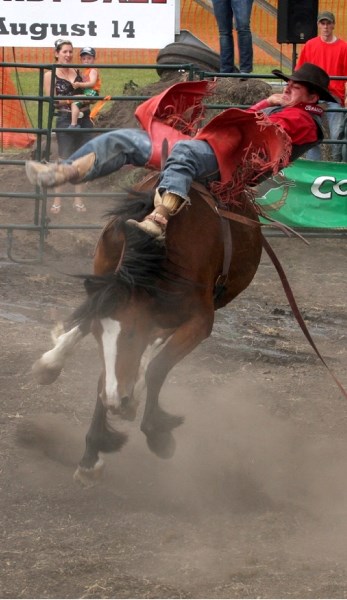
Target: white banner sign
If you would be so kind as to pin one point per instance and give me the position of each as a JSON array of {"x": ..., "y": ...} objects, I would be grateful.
[{"x": 97, "y": 23}]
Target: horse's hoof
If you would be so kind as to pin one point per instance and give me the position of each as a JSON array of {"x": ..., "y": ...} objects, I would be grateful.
[
  {"x": 128, "y": 412},
  {"x": 89, "y": 477},
  {"x": 162, "y": 444},
  {"x": 43, "y": 374},
  {"x": 128, "y": 415}
]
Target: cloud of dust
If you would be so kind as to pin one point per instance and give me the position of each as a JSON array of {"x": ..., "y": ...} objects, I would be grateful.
[
  {"x": 233, "y": 450},
  {"x": 236, "y": 461},
  {"x": 243, "y": 484}
]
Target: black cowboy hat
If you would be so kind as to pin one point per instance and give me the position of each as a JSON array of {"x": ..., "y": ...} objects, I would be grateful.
[{"x": 314, "y": 76}]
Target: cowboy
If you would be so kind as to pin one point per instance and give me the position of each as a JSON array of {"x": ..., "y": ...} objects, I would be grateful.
[{"x": 235, "y": 149}]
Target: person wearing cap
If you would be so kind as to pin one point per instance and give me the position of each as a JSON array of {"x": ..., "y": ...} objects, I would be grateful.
[
  {"x": 330, "y": 53},
  {"x": 90, "y": 85},
  {"x": 232, "y": 151},
  {"x": 66, "y": 83}
]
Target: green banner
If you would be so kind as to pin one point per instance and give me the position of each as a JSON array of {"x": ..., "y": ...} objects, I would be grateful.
[{"x": 307, "y": 194}]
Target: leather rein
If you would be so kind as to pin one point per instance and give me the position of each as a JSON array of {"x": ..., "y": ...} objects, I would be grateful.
[{"x": 226, "y": 216}]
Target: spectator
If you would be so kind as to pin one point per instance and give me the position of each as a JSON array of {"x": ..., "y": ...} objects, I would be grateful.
[
  {"x": 330, "y": 53},
  {"x": 68, "y": 142},
  {"x": 240, "y": 10},
  {"x": 90, "y": 85}
]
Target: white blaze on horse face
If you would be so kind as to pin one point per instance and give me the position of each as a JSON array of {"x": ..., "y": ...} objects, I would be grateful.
[{"x": 111, "y": 329}]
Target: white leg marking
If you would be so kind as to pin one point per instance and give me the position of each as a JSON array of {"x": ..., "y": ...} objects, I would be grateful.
[
  {"x": 111, "y": 329},
  {"x": 64, "y": 345},
  {"x": 150, "y": 352}
]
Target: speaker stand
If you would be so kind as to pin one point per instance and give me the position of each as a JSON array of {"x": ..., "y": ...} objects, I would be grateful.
[{"x": 294, "y": 56}]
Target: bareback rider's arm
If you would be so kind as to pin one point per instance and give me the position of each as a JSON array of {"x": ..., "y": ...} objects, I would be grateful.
[{"x": 273, "y": 100}]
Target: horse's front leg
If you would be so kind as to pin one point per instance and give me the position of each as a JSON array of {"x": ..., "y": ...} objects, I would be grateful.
[
  {"x": 48, "y": 368},
  {"x": 157, "y": 424},
  {"x": 122, "y": 346},
  {"x": 101, "y": 437}
]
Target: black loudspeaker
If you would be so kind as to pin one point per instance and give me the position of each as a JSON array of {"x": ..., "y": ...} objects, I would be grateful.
[{"x": 296, "y": 21}]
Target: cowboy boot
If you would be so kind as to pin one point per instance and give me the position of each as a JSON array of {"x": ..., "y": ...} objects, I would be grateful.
[
  {"x": 156, "y": 222},
  {"x": 56, "y": 174}
]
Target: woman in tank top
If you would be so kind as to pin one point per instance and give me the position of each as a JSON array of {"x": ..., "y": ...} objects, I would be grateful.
[{"x": 68, "y": 141}]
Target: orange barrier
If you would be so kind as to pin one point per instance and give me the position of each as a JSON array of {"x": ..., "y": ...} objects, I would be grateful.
[
  {"x": 12, "y": 114},
  {"x": 98, "y": 106}
]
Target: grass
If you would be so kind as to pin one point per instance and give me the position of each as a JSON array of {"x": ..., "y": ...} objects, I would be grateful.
[{"x": 113, "y": 81}]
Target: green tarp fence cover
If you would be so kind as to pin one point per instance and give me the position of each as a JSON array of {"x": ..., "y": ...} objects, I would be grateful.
[{"x": 307, "y": 194}]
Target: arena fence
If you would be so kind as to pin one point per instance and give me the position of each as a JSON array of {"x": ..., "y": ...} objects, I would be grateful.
[
  {"x": 43, "y": 134},
  {"x": 41, "y": 223}
]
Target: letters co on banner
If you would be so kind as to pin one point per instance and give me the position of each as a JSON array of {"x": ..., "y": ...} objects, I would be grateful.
[
  {"x": 97, "y": 23},
  {"x": 307, "y": 194}
]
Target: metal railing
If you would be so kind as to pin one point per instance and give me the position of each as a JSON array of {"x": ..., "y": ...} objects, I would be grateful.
[
  {"x": 41, "y": 223},
  {"x": 44, "y": 133}
]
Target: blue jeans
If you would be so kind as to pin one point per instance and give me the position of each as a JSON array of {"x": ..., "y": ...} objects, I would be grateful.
[
  {"x": 239, "y": 10},
  {"x": 335, "y": 122},
  {"x": 188, "y": 161},
  {"x": 69, "y": 141}
]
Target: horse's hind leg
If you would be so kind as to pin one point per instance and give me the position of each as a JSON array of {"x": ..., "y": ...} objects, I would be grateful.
[
  {"x": 100, "y": 438},
  {"x": 157, "y": 424}
]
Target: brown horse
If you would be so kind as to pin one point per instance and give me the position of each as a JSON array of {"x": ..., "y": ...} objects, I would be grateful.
[{"x": 150, "y": 305}]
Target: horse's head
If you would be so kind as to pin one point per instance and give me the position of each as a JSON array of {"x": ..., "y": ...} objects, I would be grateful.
[
  {"x": 121, "y": 297},
  {"x": 122, "y": 339}
]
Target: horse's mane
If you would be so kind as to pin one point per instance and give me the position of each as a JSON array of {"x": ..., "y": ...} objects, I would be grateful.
[{"x": 142, "y": 267}]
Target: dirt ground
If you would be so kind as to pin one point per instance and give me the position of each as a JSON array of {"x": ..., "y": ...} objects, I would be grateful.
[{"x": 254, "y": 502}]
